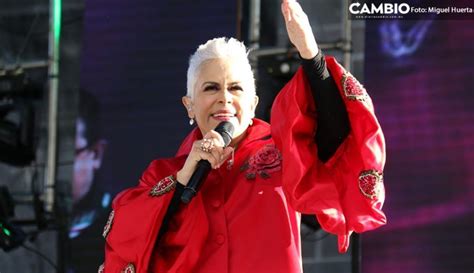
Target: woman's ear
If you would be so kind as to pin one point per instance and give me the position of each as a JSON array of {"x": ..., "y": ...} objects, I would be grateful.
[
  {"x": 188, "y": 105},
  {"x": 255, "y": 103}
]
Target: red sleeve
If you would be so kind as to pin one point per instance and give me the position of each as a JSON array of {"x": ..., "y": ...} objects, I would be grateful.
[
  {"x": 136, "y": 220},
  {"x": 346, "y": 193},
  {"x": 137, "y": 216}
]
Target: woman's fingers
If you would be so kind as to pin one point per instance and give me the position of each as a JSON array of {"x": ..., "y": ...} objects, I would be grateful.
[
  {"x": 212, "y": 149},
  {"x": 226, "y": 153},
  {"x": 295, "y": 9},
  {"x": 285, "y": 11},
  {"x": 203, "y": 155},
  {"x": 217, "y": 153},
  {"x": 299, "y": 29},
  {"x": 218, "y": 147},
  {"x": 216, "y": 137},
  {"x": 291, "y": 10}
]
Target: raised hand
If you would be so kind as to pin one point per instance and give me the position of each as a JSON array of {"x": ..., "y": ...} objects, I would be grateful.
[{"x": 298, "y": 28}]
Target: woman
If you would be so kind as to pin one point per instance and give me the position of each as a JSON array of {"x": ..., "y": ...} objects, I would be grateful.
[{"x": 245, "y": 217}]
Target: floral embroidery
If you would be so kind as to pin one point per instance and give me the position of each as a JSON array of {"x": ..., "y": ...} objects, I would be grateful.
[
  {"x": 370, "y": 183},
  {"x": 130, "y": 268},
  {"x": 108, "y": 225},
  {"x": 352, "y": 87},
  {"x": 263, "y": 162},
  {"x": 101, "y": 269},
  {"x": 163, "y": 186}
]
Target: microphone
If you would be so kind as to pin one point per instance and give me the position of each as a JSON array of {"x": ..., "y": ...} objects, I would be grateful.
[{"x": 226, "y": 130}]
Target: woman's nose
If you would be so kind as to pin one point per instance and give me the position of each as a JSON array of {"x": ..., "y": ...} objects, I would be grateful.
[{"x": 225, "y": 97}]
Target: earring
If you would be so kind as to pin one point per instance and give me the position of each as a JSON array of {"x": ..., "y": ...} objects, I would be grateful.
[
  {"x": 251, "y": 122},
  {"x": 191, "y": 121}
]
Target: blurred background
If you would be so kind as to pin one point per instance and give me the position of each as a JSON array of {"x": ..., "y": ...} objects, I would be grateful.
[{"x": 90, "y": 93}]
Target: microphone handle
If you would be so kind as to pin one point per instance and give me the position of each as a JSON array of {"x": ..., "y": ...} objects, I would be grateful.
[{"x": 199, "y": 175}]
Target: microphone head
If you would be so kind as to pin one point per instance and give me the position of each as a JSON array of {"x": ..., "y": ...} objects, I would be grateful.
[{"x": 226, "y": 130}]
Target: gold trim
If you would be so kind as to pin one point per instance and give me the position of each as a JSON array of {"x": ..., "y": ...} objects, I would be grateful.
[
  {"x": 130, "y": 268},
  {"x": 163, "y": 186},
  {"x": 108, "y": 225}
]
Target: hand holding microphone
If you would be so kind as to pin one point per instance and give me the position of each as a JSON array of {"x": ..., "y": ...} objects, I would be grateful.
[{"x": 208, "y": 153}]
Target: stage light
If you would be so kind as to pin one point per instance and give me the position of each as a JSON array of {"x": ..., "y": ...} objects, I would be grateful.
[
  {"x": 11, "y": 236},
  {"x": 5, "y": 230}
]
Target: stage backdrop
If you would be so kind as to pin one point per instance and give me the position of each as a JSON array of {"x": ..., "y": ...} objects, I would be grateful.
[
  {"x": 134, "y": 61},
  {"x": 420, "y": 74}
]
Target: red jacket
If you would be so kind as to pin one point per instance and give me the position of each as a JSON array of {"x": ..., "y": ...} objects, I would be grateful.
[{"x": 246, "y": 219}]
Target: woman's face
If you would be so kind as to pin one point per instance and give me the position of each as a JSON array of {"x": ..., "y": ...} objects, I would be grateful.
[{"x": 222, "y": 93}]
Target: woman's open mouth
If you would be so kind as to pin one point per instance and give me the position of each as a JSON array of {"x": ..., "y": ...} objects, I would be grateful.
[{"x": 223, "y": 115}]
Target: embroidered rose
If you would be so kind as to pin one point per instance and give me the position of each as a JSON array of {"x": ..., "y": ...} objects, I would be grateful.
[
  {"x": 263, "y": 162},
  {"x": 353, "y": 89}
]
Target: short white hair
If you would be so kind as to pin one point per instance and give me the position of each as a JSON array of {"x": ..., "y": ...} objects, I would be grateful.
[{"x": 219, "y": 48}]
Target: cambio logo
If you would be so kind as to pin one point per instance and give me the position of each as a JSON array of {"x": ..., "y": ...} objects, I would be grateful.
[{"x": 383, "y": 8}]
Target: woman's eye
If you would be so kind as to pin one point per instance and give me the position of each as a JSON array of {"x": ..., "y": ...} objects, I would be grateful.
[
  {"x": 211, "y": 87},
  {"x": 236, "y": 87}
]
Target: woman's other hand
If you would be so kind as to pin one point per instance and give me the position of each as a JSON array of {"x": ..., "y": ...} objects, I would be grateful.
[
  {"x": 298, "y": 28},
  {"x": 216, "y": 155}
]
